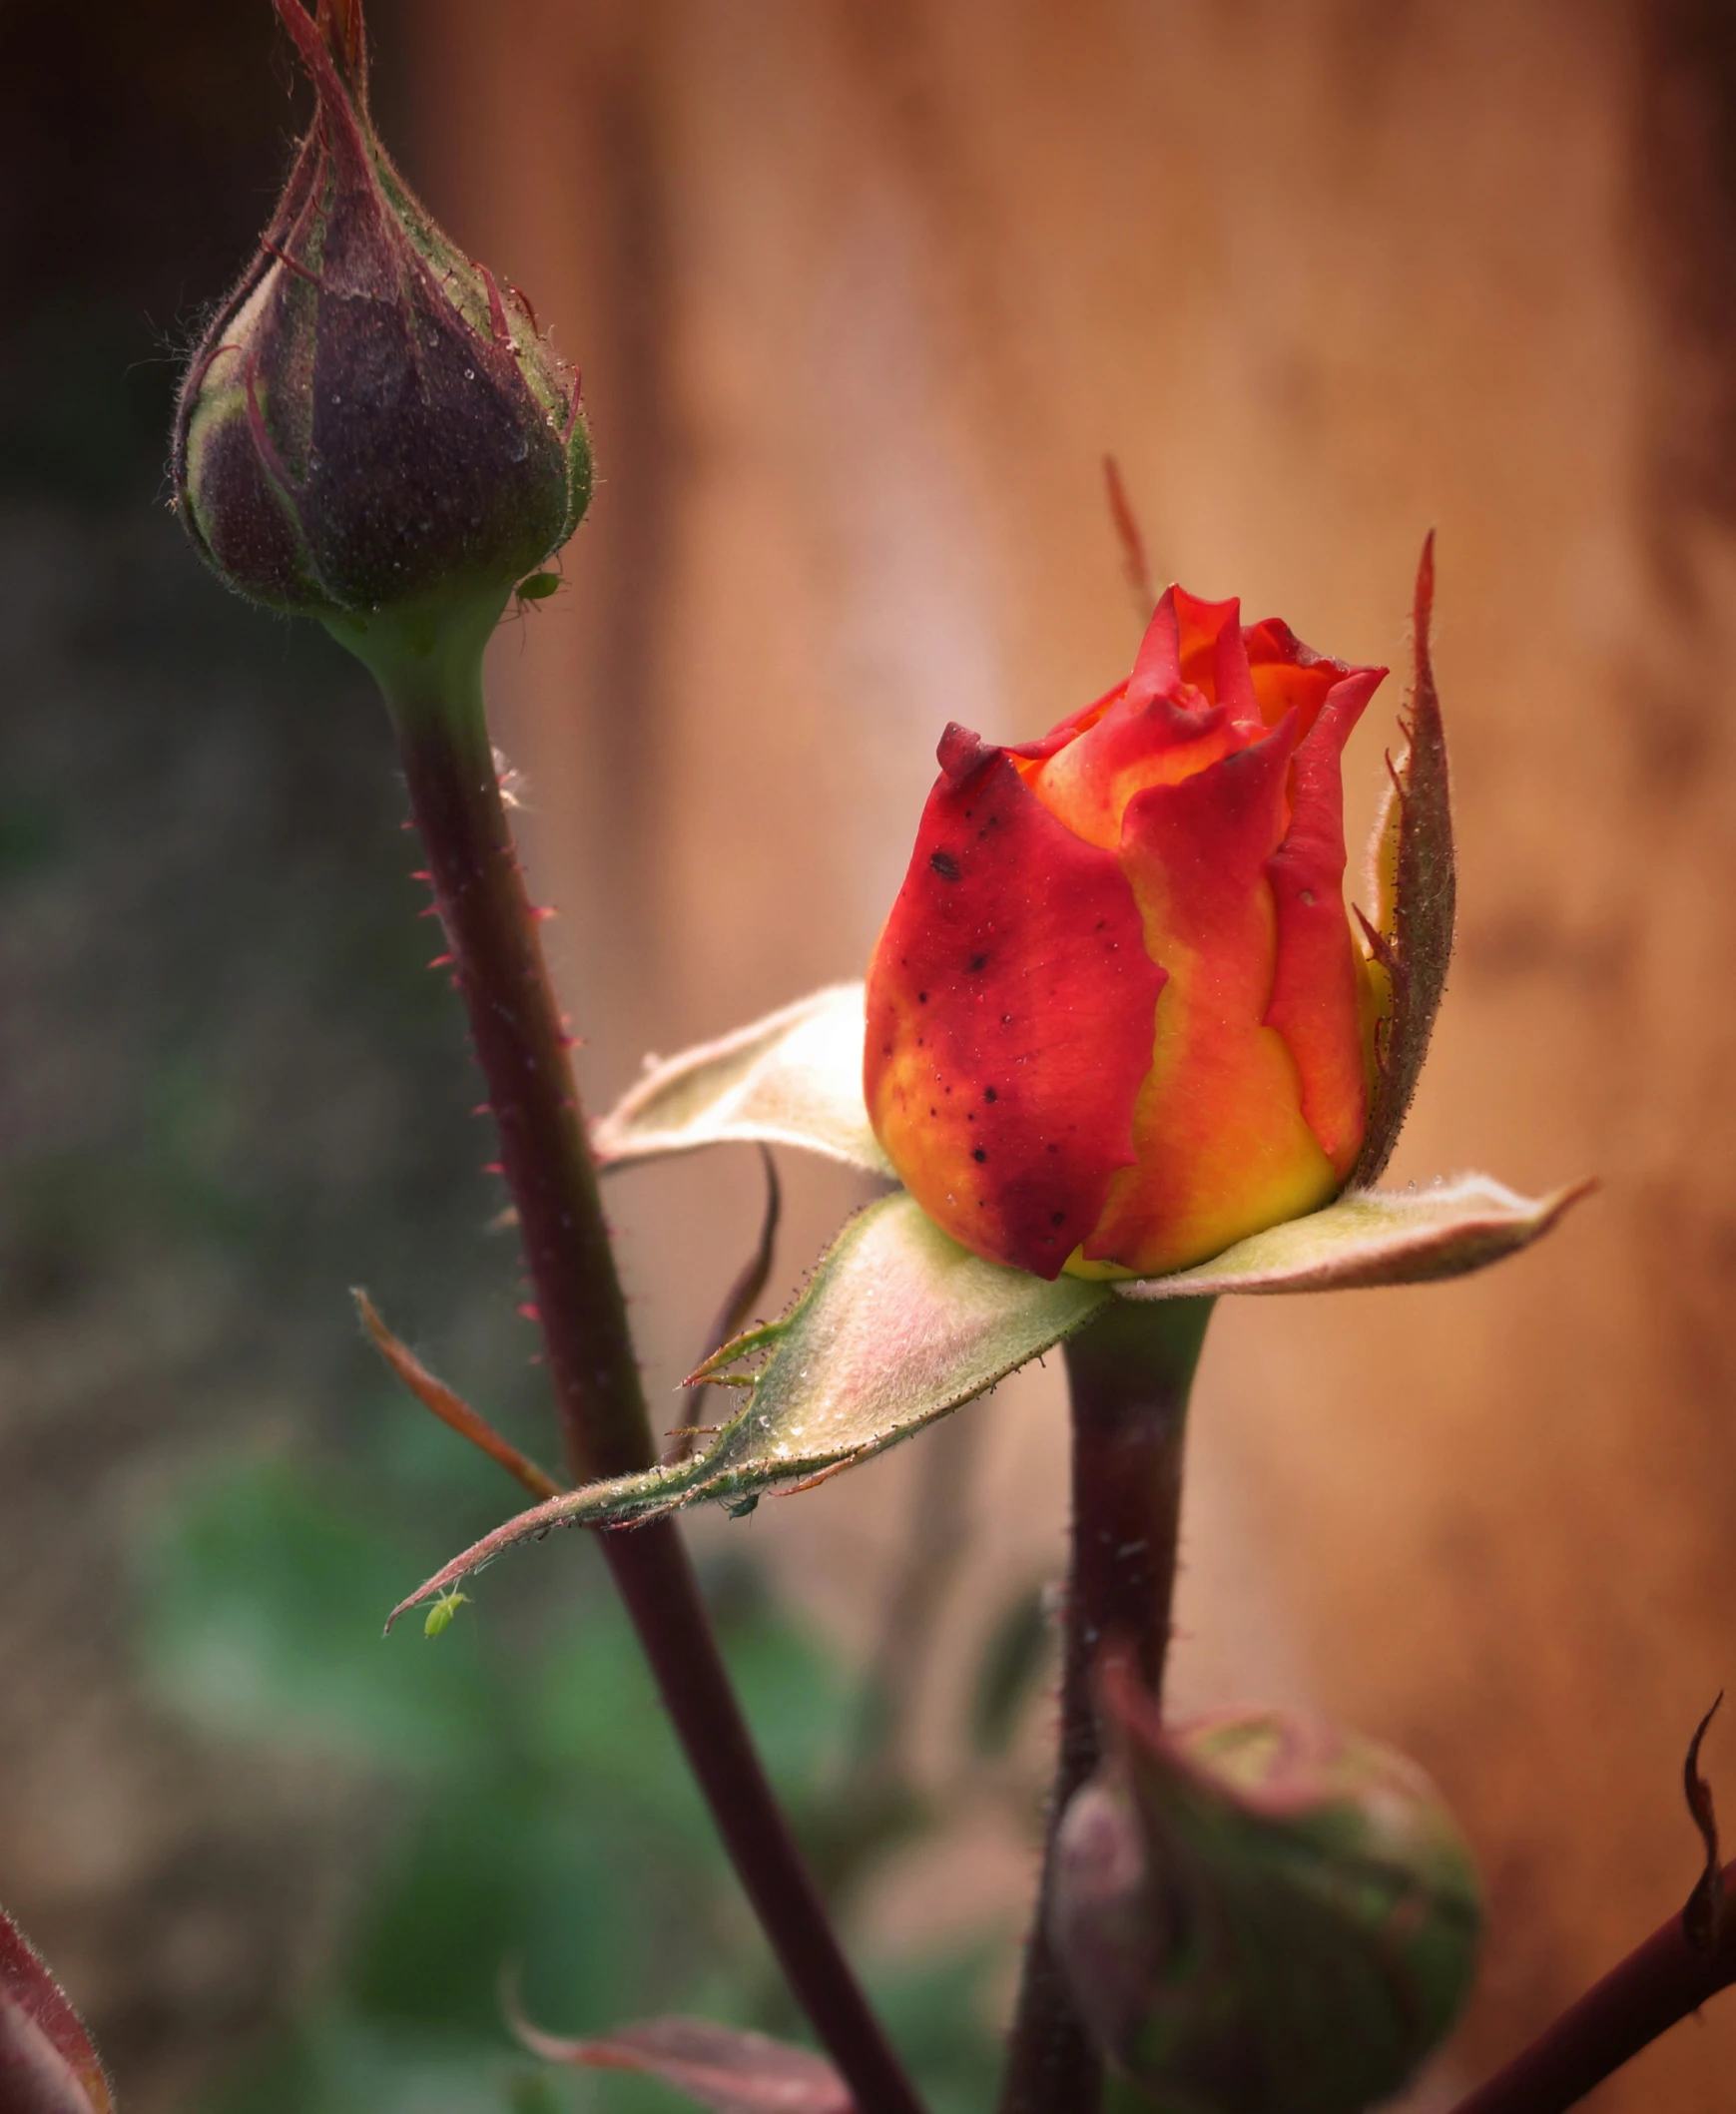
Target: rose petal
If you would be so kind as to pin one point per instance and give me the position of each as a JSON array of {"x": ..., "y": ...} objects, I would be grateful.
[
  {"x": 1223, "y": 1146},
  {"x": 1010, "y": 1009}
]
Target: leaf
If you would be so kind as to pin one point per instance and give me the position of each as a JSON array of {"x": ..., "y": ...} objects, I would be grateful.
[
  {"x": 1374, "y": 1237},
  {"x": 897, "y": 1326},
  {"x": 794, "y": 1077},
  {"x": 1417, "y": 897},
  {"x": 718, "y": 2067},
  {"x": 46, "y": 2062}
]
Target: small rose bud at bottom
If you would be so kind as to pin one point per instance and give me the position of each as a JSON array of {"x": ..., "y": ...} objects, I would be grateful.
[{"x": 1259, "y": 1913}]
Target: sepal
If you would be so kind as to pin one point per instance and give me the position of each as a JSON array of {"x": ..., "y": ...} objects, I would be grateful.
[
  {"x": 718, "y": 2067},
  {"x": 793, "y": 1078},
  {"x": 48, "y": 2064},
  {"x": 1259, "y": 1913},
  {"x": 1416, "y": 894},
  {"x": 1374, "y": 1237},
  {"x": 897, "y": 1326}
]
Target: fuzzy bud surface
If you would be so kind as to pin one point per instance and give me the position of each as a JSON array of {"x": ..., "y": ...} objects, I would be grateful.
[{"x": 372, "y": 420}]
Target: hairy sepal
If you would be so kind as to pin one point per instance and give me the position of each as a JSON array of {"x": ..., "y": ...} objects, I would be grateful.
[
  {"x": 1375, "y": 1236},
  {"x": 896, "y": 1326},
  {"x": 48, "y": 2064},
  {"x": 1411, "y": 946},
  {"x": 793, "y": 1078}
]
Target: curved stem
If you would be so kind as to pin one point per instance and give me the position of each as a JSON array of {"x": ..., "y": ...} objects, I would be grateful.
[
  {"x": 435, "y": 697},
  {"x": 1658, "y": 1985},
  {"x": 1129, "y": 1375}
]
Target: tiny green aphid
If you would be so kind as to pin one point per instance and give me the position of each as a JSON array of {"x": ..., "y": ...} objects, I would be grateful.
[
  {"x": 442, "y": 1611},
  {"x": 538, "y": 587}
]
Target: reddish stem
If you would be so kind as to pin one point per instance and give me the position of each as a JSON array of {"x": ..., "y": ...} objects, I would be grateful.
[
  {"x": 1129, "y": 1375},
  {"x": 546, "y": 1160},
  {"x": 1658, "y": 1985}
]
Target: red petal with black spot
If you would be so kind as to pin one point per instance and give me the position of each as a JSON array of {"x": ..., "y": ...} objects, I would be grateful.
[{"x": 1010, "y": 1017}]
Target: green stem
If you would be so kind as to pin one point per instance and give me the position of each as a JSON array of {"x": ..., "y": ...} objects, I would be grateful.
[
  {"x": 432, "y": 681},
  {"x": 1129, "y": 1375}
]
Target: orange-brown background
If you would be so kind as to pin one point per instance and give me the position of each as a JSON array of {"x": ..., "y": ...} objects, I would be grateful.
[{"x": 863, "y": 292}]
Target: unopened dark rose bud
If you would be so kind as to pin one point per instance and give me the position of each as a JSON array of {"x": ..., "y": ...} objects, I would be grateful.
[{"x": 372, "y": 421}]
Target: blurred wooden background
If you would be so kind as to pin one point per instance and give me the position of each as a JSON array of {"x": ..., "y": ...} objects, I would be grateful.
[{"x": 862, "y": 293}]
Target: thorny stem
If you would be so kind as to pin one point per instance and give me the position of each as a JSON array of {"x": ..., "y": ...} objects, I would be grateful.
[
  {"x": 435, "y": 697},
  {"x": 1658, "y": 1985},
  {"x": 1129, "y": 1375}
]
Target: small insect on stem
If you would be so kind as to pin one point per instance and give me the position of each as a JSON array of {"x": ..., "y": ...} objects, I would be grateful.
[
  {"x": 442, "y": 1611},
  {"x": 538, "y": 587}
]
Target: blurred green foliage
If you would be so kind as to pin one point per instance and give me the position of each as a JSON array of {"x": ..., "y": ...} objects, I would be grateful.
[{"x": 534, "y": 1817}]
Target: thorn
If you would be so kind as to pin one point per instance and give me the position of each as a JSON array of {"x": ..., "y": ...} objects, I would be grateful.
[
  {"x": 482, "y": 1108},
  {"x": 492, "y": 1167},
  {"x": 1703, "y": 1913},
  {"x": 528, "y": 1309},
  {"x": 442, "y": 961},
  {"x": 423, "y": 874}
]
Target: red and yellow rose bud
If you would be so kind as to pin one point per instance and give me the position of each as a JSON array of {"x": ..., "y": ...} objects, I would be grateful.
[{"x": 1117, "y": 1018}]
